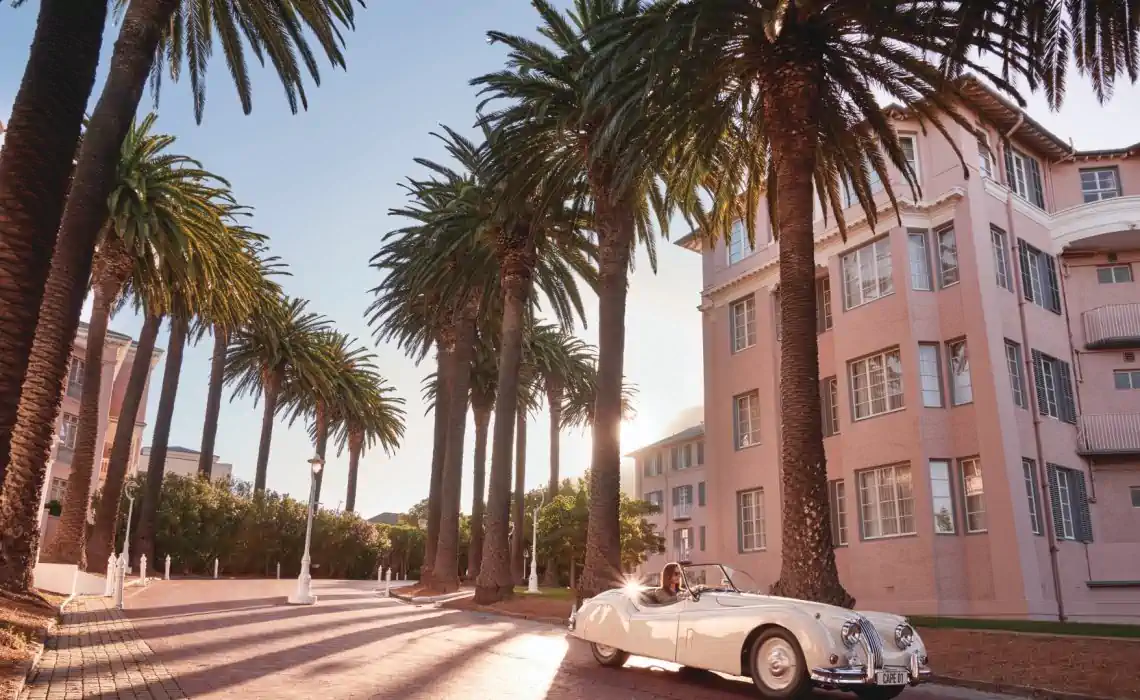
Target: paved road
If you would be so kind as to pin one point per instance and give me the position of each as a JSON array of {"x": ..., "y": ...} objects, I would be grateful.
[{"x": 224, "y": 638}]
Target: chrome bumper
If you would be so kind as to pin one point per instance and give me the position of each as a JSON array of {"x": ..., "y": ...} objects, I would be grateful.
[{"x": 843, "y": 676}]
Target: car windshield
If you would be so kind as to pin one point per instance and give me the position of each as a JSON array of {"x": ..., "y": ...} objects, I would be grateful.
[{"x": 718, "y": 577}]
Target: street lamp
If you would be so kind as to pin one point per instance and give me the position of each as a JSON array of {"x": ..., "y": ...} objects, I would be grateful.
[
  {"x": 532, "y": 584},
  {"x": 126, "y": 555},
  {"x": 304, "y": 594}
]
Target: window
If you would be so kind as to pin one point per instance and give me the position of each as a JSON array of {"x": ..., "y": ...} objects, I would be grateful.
[
  {"x": 68, "y": 428},
  {"x": 1126, "y": 378},
  {"x": 829, "y": 395},
  {"x": 943, "y": 497},
  {"x": 655, "y": 497},
  {"x": 701, "y": 537},
  {"x": 75, "y": 377},
  {"x": 823, "y": 305},
  {"x": 746, "y": 419},
  {"x": 909, "y": 145},
  {"x": 876, "y": 384},
  {"x": 743, "y": 318},
  {"x": 1000, "y": 243},
  {"x": 683, "y": 456},
  {"x": 973, "y": 494},
  {"x": 682, "y": 501},
  {"x": 700, "y": 452},
  {"x": 1039, "y": 277},
  {"x": 867, "y": 274},
  {"x": 701, "y": 494},
  {"x": 750, "y": 521},
  {"x": 886, "y": 502},
  {"x": 654, "y": 464},
  {"x": 683, "y": 543},
  {"x": 985, "y": 158},
  {"x": 58, "y": 490},
  {"x": 947, "y": 257},
  {"x": 874, "y": 185},
  {"x": 920, "y": 277},
  {"x": 1135, "y": 496},
  {"x": 1100, "y": 183},
  {"x": 1070, "y": 503},
  {"x": 1023, "y": 176},
  {"x": 961, "y": 389},
  {"x": 1016, "y": 381},
  {"x": 930, "y": 374},
  {"x": 1054, "y": 387},
  {"x": 837, "y": 495},
  {"x": 1114, "y": 274},
  {"x": 1029, "y": 472},
  {"x": 738, "y": 246}
]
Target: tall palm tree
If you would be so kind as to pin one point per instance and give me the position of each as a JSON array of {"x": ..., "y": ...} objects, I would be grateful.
[
  {"x": 35, "y": 170},
  {"x": 160, "y": 201},
  {"x": 484, "y": 378},
  {"x": 283, "y": 339}
]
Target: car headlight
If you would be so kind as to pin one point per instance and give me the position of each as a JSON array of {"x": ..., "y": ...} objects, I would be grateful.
[
  {"x": 850, "y": 634},
  {"x": 904, "y": 636}
]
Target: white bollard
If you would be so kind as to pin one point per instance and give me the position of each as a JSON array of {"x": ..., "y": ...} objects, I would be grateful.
[
  {"x": 215, "y": 567},
  {"x": 120, "y": 582},
  {"x": 278, "y": 570},
  {"x": 166, "y": 572},
  {"x": 112, "y": 570},
  {"x": 388, "y": 583},
  {"x": 142, "y": 569}
]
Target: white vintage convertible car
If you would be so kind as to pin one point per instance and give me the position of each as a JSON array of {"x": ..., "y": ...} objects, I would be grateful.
[{"x": 787, "y": 646}]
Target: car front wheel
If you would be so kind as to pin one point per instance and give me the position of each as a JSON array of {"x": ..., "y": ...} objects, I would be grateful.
[
  {"x": 609, "y": 656},
  {"x": 778, "y": 668}
]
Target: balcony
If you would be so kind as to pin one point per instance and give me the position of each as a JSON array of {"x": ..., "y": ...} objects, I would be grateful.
[
  {"x": 1112, "y": 326},
  {"x": 682, "y": 511},
  {"x": 1109, "y": 434},
  {"x": 683, "y": 554}
]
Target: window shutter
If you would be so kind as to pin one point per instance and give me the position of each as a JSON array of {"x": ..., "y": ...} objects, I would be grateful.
[
  {"x": 1068, "y": 405},
  {"x": 1008, "y": 150},
  {"x": 736, "y": 423},
  {"x": 1055, "y": 501},
  {"x": 701, "y": 452},
  {"x": 1036, "y": 190},
  {"x": 1026, "y": 280},
  {"x": 702, "y": 536},
  {"x": 676, "y": 496},
  {"x": 739, "y": 528},
  {"x": 701, "y": 493},
  {"x": 1051, "y": 279},
  {"x": 648, "y": 465},
  {"x": 1084, "y": 517},
  {"x": 676, "y": 457},
  {"x": 1039, "y": 383},
  {"x": 825, "y": 409}
]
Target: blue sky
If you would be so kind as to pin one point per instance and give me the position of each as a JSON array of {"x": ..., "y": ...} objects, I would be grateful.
[{"x": 322, "y": 181}]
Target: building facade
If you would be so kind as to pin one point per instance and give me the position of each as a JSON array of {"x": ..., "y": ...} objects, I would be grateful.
[
  {"x": 978, "y": 373},
  {"x": 184, "y": 462},
  {"x": 118, "y": 358}
]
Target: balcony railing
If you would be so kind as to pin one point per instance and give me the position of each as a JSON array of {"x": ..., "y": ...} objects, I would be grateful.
[
  {"x": 682, "y": 511},
  {"x": 75, "y": 390},
  {"x": 682, "y": 554},
  {"x": 1112, "y": 326},
  {"x": 1109, "y": 434},
  {"x": 64, "y": 454}
]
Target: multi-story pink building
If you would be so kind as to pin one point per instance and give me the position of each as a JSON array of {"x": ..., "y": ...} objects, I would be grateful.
[{"x": 979, "y": 377}]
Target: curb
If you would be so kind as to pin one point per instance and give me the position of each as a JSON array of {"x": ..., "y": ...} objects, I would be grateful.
[
  {"x": 422, "y": 599},
  {"x": 1012, "y": 689},
  {"x": 487, "y": 610},
  {"x": 28, "y": 667}
]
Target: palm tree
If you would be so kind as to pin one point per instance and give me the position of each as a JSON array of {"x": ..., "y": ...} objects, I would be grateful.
[
  {"x": 35, "y": 170},
  {"x": 484, "y": 378},
  {"x": 283, "y": 339},
  {"x": 160, "y": 201}
]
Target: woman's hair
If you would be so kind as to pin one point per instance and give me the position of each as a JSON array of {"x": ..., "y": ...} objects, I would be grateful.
[{"x": 667, "y": 574}]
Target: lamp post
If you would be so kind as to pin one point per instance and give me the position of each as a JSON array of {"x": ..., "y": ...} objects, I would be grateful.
[
  {"x": 127, "y": 536},
  {"x": 532, "y": 583},
  {"x": 304, "y": 594}
]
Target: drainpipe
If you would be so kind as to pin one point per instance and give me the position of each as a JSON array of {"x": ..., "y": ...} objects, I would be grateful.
[{"x": 1027, "y": 359}]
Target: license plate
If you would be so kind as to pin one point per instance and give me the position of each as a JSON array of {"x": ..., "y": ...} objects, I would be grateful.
[{"x": 891, "y": 677}]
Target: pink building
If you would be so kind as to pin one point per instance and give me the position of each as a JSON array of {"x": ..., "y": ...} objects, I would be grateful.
[
  {"x": 979, "y": 378},
  {"x": 118, "y": 357}
]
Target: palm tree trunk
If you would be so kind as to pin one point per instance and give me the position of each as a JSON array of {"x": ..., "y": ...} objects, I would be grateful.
[
  {"x": 554, "y": 402},
  {"x": 807, "y": 567},
  {"x": 213, "y": 403},
  {"x": 444, "y": 368},
  {"x": 321, "y": 445},
  {"x": 271, "y": 390},
  {"x": 69, "y": 543},
  {"x": 355, "y": 447},
  {"x": 615, "y": 222},
  {"x": 102, "y": 540},
  {"x": 148, "y": 513},
  {"x": 445, "y": 572},
  {"x": 35, "y": 170},
  {"x": 518, "y": 514},
  {"x": 479, "y": 483},
  {"x": 495, "y": 582}
]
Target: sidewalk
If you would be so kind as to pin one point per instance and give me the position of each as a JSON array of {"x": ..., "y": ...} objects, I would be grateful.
[{"x": 96, "y": 653}]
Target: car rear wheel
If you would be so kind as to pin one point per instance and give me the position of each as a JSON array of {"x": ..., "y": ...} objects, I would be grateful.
[
  {"x": 609, "y": 656},
  {"x": 880, "y": 692},
  {"x": 777, "y": 664}
]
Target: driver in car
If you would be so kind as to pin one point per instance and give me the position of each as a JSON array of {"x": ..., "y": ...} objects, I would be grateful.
[{"x": 670, "y": 590}]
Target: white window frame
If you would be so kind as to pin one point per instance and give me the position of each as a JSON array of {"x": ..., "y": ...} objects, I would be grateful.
[
  {"x": 1003, "y": 273},
  {"x": 750, "y": 509},
  {"x": 949, "y": 271},
  {"x": 57, "y": 490},
  {"x": 915, "y": 165},
  {"x": 1051, "y": 383},
  {"x": 1099, "y": 190},
  {"x": 1014, "y": 363},
  {"x": 1032, "y": 492},
  {"x": 973, "y": 494},
  {"x": 738, "y": 240},
  {"x": 1134, "y": 491},
  {"x": 75, "y": 374},
  {"x": 831, "y": 403},
  {"x": 1019, "y": 177},
  {"x": 743, "y": 337},
  {"x": 873, "y": 258},
  {"x": 750, "y": 401},
  {"x": 930, "y": 372},
  {"x": 985, "y": 158},
  {"x": 1036, "y": 284},
  {"x": 823, "y": 304},
  {"x": 918, "y": 254},
  {"x": 659, "y": 501},
  {"x": 892, "y": 486},
  {"x": 68, "y": 430},
  {"x": 837, "y": 492},
  {"x": 863, "y": 376},
  {"x": 942, "y": 496},
  {"x": 1131, "y": 379},
  {"x": 958, "y": 379},
  {"x": 1065, "y": 501},
  {"x": 1114, "y": 276}
]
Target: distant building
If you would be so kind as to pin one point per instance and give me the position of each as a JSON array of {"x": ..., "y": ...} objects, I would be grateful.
[
  {"x": 386, "y": 519},
  {"x": 184, "y": 462}
]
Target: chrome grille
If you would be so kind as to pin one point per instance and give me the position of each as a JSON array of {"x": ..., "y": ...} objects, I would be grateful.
[{"x": 873, "y": 639}]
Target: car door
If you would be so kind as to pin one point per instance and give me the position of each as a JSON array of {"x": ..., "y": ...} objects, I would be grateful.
[
  {"x": 653, "y": 630},
  {"x": 709, "y": 635}
]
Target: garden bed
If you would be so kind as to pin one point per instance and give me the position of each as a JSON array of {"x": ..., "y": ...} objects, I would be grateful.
[{"x": 24, "y": 624}]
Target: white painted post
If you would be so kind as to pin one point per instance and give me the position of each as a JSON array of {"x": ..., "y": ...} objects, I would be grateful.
[
  {"x": 215, "y": 567},
  {"x": 379, "y": 578},
  {"x": 278, "y": 570},
  {"x": 112, "y": 571},
  {"x": 166, "y": 573},
  {"x": 388, "y": 583},
  {"x": 120, "y": 583},
  {"x": 142, "y": 568}
]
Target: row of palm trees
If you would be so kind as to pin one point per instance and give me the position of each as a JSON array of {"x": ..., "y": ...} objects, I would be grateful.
[{"x": 623, "y": 113}]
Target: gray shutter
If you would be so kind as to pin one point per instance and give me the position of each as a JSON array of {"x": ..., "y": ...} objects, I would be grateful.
[
  {"x": 1039, "y": 383},
  {"x": 1055, "y": 501},
  {"x": 675, "y": 456},
  {"x": 825, "y": 409},
  {"x": 1068, "y": 404},
  {"x": 1036, "y": 185},
  {"x": 676, "y": 495},
  {"x": 701, "y": 493},
  {"x": 701, "y": 534},
  {"x": 1026, "y": 280},
  {"x": 735, "y": 424},
  {"x": 1054, "y": 300},
  {"x": 739, "y": 528},
  {"x": 1083, "y": 524},
  {"x": 701, "y": 452}
]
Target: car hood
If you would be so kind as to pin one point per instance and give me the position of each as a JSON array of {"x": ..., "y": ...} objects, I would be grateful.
[{"x": 832, "y": 613}]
